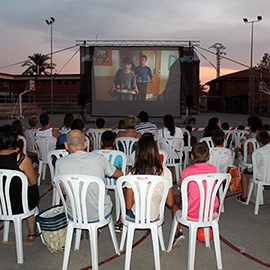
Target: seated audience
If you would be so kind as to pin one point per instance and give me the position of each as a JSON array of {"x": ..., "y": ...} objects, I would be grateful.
[
  {"x": 131, "y": 123},
  {"x": 77, "y": 124},
  {"x": 46, "y": 129}
]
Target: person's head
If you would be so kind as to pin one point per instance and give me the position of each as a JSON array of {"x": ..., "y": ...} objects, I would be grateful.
[
  {"x": 266, "y": 127},
  {"x": 17, "y": 125},
  {"x": 75, "y": 141},
  {"x": 107, "y": 139},
  {"x": 143, "y": 116},
  {"x": 225, "y": 126},
  {"x": 240, "y": 127},
  {"x": 131, "y": 121},
  {"x": 44, "y": 119},
  {"x": 8, "y": 138},
  {"x": 218, "y": 137},
  {"x": 100, "y": 123},
  {"x": 255, "y": 123},
  {"x": 33, "y": 121},
  {"x": 122, "y": 124},
  {"x": 263, "y": 138},
  {"x": 214, "y": 123},
  {"x": 128, "y": 64},
  {"x": 77, "y": 124},
  {"x": 143, "y": 59},
  {"x": 147, "y": 159},
  {"x": 60, "y": 143},
  {"x": 169, "y": 123},
  {"x": 68, "y": 120},
  {"x": 189, "y": 129},
  {"x": 200, "y": 152}
]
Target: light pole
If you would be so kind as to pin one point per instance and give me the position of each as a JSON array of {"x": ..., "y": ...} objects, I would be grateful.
[
  {"x": 50, "y": 22},
  {"x": 250, "y": 99}
]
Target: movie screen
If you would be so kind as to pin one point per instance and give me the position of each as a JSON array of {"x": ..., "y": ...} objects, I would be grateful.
[{"x": 127, "y": 80}]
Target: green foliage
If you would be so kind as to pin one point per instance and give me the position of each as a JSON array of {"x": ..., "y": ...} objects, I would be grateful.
[{"x": 264, "y": 64}]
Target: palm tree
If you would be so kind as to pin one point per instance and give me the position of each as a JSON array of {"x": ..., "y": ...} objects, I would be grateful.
[{"x": 37, "y": 64}]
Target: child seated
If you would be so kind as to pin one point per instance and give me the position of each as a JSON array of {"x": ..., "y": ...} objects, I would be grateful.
[
  {"x": 263, "y": 139},
  {"x": 200, "y": 154}
]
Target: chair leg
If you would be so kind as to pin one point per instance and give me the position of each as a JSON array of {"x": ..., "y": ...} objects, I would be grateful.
[
  {"x": 94, "y": 248},
  {"x": 173, "y": 230},
  {"x": 39, "y": 171},
  {"x": 6, "y": 230},
  {"x": 251, "y": 185},
  {"x": 129, "y": 246},
  {"x": 220, "y": 191},
  {"x": 206, "y": 237},
  {"x": 67, "y": 247},
  {"x": 44, "y": 171},
  {"x": 117, "y": 205},
  {"x": 112, "y": 231},
  {"x": 192, "y": 247},
  {"x": 217, "y": 245},
  {"x": 258, "y": 199},
  {"x": 155, "y": 247},
  {"x": 161, "y": 240},
  {"x": 77, "y": 239},
  {"x": 19, "y": 241},
  {"x": 123, "y": 237}
]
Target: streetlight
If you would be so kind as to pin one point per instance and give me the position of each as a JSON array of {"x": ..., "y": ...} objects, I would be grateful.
[
  {"x": 250, "y": 100},
  {"x": 50, "y": 22}
]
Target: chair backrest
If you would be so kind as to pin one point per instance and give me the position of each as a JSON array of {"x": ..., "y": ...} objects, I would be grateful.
[
  {"x": 6, "y": 179},
  {"x": 52, "y": 156},
  {"x": 126, "y": 145},
  {"x": 30, "y": 138},
  {"x": 174, "y": 148},
  {"x": 208, "y": 141},
  {"x": 241, "y": 136},
  {"x": 44, "y": 145},
  {"x": 255, "y": 145},
  {"x": 24, "y": 143},
  {"x": 95, "y": 135},
  {"x": 208, "y": 185},
  {"x": 164, "y": 156},
  {"x": 185, "y": 131},
  {"x": 231, "y": 139},
  {"x": 261, "y": 164},
  {"x": 77, "y": 188},
  {"x": 143, "y": 186},
  {"x": 221, "y": 157}
]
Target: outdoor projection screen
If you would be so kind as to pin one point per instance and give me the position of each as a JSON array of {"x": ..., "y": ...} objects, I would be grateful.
[{"x": 111, "y": 75}]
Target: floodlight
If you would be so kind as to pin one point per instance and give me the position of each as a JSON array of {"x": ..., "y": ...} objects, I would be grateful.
[
  {"x": 259, "y": 18},
  {"x": 245, "y": 20}
]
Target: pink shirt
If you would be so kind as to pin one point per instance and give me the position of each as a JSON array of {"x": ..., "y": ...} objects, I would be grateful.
[{"x": 193, "y": 190}]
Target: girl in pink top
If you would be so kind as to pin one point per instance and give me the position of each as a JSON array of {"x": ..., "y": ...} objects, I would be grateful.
[{"x": 200, "y": 154}]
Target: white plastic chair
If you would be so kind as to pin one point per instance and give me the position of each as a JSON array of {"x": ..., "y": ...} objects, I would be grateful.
[
  {"x": 24, "y": 143},
  {"x": 143, "y": 186},
  {"x": 231, "y": 139},
  {"x": 206, "y": 217},
  {"x": 88, "y": 144},
  {"x": 241, "y": 136},
  {"x": 261, "y": 175},
  {"x": 208, "y": 141},
  {"x": 30, "y": 138},
  {"x": 44, "y": 145},
  {"x": 52, "y": 156},
  {"x": 174, "y": 148},
  {"x": 126, "y": 145},
  {"x": 95, "y": 134},
  {"x": 187, "y": 148},
  {"x": 111, "y": 155},
  {"x": 6, "y": 211},
  {"x": 77, "y": 188}
]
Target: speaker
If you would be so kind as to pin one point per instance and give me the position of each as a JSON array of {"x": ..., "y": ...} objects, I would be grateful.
[
  {"x": 81, "y": 99},
  {"x": 189, "y": 100}
]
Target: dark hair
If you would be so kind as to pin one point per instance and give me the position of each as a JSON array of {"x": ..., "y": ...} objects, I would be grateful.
[
  {"x": 147, "y": 159},
  {"x": 225, "y": 126},
  {"x": 266, "y": 127},
  {"x": 218, "y": 137},
  {"x": 240, "y": 127},
  {"x": 44, "y": 119},
  {"x": 144, "y": 56},
  {"x": 212, "y": 123},
  {"x": 8, "y": 138},
  {"x": 100, "y": 122},
  {"x": 169, "y": 123},
  {"x": 263, "y": 137},
  {"x": 143, "y": 116},
  {"x": 33, "y": 120},
  {"x": 122, "y": 124},
  {"x": 129, "y": 60},
  {"x": 255, "y": 123},
  {"x": 68, "y": 120},
  {"x": 77, "y": 124},
  {"x": 200, "y": 151},
  {"x": 17, "y": 125},
  {"x": 107, "y": 138},
  {"x": 189, "y": 129}
]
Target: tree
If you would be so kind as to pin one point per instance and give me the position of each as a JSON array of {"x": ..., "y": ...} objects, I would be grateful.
[
  {"x": 264, "y": 64},
  {"x": 37, "y": 64}
]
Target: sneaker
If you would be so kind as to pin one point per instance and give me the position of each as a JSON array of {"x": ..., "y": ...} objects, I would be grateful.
[
  {"x": 241, "y": 199},
  {"x": 178, "y": 239},
  {"x": 118, "y": 228}
]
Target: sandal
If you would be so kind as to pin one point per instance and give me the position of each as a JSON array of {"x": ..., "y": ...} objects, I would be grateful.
[{"x": 31, "y": 238}]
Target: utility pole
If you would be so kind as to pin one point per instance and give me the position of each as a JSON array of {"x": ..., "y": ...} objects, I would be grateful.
[{"x": 219, "y": 52}]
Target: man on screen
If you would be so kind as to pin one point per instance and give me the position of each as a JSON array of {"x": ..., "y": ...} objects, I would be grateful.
[{"x": 142, "y": 73}]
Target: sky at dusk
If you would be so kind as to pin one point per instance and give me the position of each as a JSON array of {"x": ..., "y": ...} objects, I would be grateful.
[{"x": 24, "y": 31}]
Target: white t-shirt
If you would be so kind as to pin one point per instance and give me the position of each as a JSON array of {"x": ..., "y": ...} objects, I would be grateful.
[
  {"x": 46, "y": 132},
  {"x": 165, "y": 133}
]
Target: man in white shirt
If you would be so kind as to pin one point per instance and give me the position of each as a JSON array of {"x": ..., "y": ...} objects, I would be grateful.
[{"x": 46, "y": 129}]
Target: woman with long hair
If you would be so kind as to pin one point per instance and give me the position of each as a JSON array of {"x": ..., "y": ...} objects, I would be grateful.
[
  {"x": 213, "y": 124},
  {"x": 147, "y": 161}
]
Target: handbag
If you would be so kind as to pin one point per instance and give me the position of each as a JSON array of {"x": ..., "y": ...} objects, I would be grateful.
[
  {"x": 53, "y": 224},
  {"x": 235, "y": 184}
]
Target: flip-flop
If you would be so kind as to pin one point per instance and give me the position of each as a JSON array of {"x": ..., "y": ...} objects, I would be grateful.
[{"x": 31, "y": 238}]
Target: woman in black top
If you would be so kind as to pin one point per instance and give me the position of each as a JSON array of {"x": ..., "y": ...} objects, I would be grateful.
[{"x": 10, "y": 159}]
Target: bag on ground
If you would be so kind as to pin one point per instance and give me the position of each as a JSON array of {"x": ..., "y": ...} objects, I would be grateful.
[{"x": 235, "y": 184}]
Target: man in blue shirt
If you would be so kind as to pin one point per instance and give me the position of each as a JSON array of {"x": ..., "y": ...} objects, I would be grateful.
[{"x": 142, "y": 73}]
